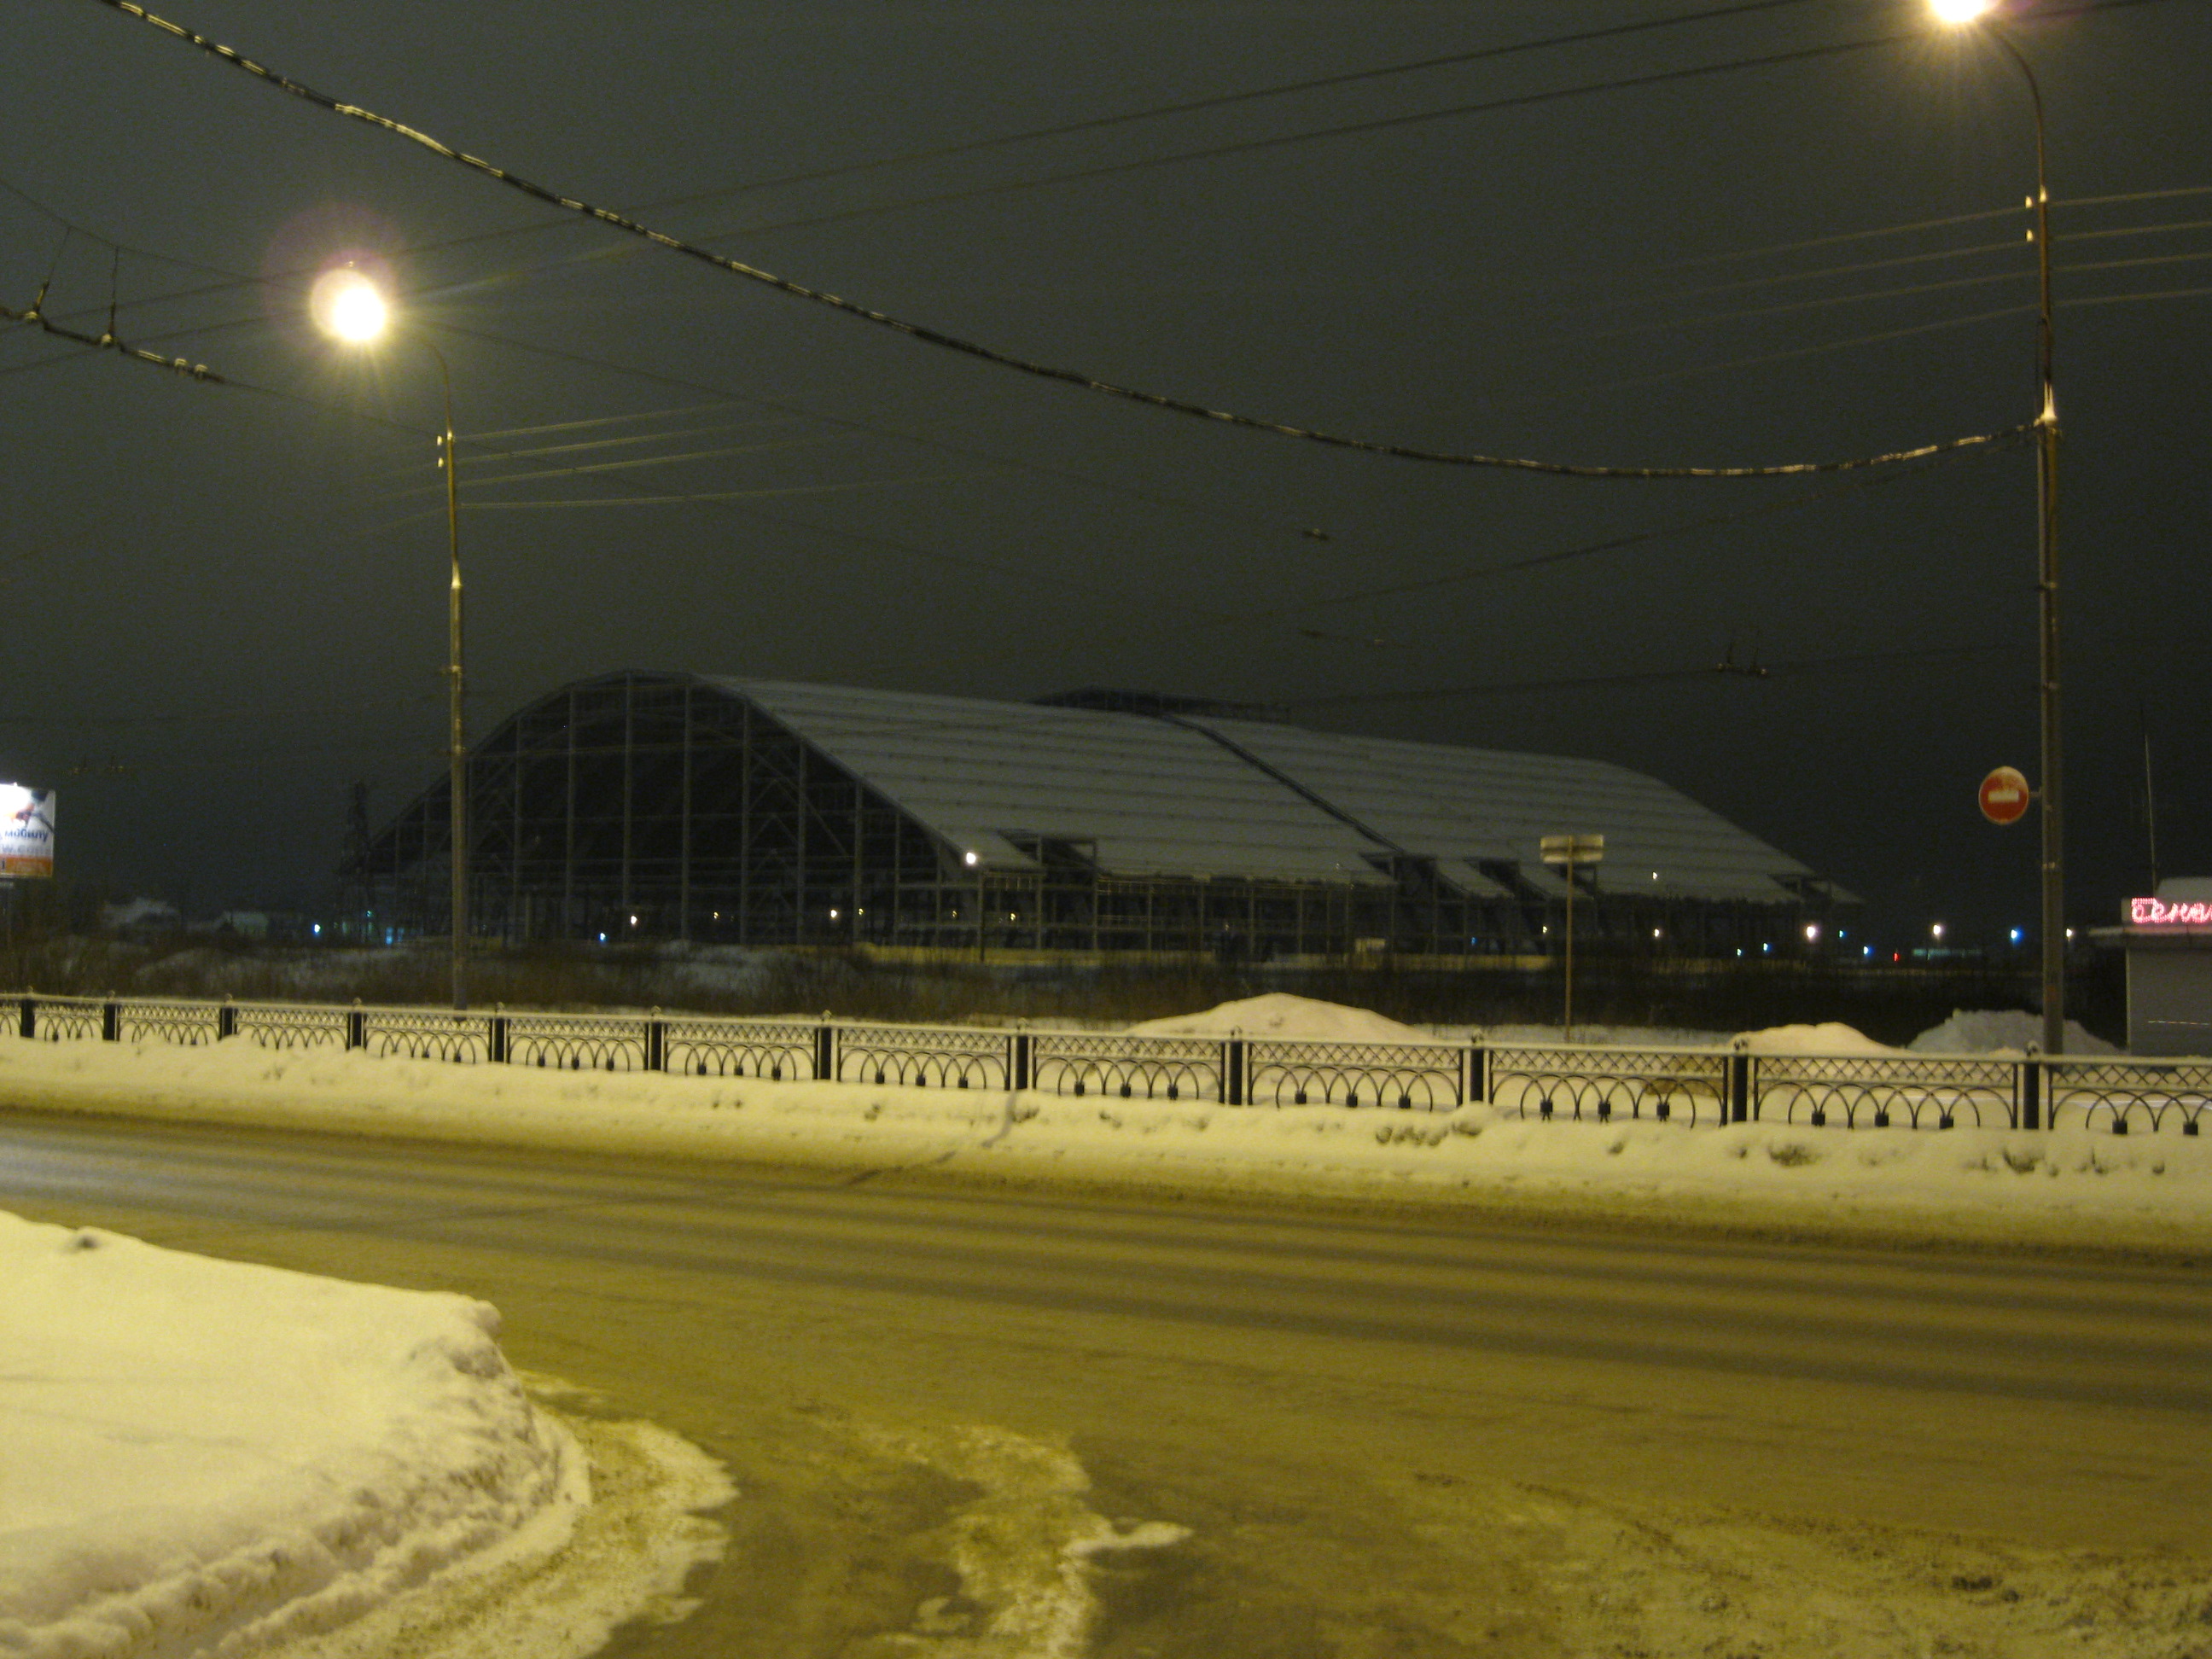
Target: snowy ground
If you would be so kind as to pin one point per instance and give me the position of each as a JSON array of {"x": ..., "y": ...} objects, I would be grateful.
[
  {"x": 403, "y": 1491},
  {"x": 1968, "y": 1182},
  {"x": 207, "y": 1456}
]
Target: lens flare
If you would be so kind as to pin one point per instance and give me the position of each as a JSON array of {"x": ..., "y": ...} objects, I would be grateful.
[{"x": 348, "y": 305}]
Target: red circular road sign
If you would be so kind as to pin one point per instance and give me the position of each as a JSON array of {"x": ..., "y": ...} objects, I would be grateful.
[{"x": 2004, "y": 796}]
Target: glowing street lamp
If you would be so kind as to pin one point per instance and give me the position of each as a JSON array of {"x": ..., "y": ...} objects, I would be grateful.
[
  {"x": 1981, "y": 15},
  {"x": 348, "y": 305}
]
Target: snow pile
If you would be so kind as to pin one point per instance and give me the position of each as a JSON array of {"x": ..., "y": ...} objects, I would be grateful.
[
  {"x": 1829, "y": 1038},
  {"x": 2008, "y": 1032},
  {"x": 2153, "y": 1188},
  {"x": 1278, "y": 1014},
  {"x": 207, "y": 1454}
]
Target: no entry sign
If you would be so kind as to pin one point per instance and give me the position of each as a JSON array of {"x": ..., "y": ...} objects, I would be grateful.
[{"x": 2004, "y": 796}]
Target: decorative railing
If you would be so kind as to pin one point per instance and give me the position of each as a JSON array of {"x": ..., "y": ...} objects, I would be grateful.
[
  {"x": 1667, "y": 1085},
  {"x": 1543, "y": 1081},
  {"x": 2125, "y": 1094},
  {"x": 1427, "y": 1076},
  {"x": 1918, "y": 1091},
  {"x": 782, "y": 1051},
  {"x": 1125, "y": 1067},
  {"x": 926, "y": 1056},
  {"x": 576, "y": 1043}
]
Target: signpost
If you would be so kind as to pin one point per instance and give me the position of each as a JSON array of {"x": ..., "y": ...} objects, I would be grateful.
[
  {"x": 2004, "y": 796},
  {"x": 1567, "y": 852}
]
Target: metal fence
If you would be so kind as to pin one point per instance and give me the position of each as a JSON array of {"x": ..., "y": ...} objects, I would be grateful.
[{"x": 1559, "y": 1081}]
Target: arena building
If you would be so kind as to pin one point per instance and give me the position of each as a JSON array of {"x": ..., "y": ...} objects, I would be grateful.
[{"x": 639, "y": 806}]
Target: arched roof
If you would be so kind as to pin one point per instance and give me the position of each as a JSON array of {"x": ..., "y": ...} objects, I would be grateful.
[{"x": 1199, "y": 796}]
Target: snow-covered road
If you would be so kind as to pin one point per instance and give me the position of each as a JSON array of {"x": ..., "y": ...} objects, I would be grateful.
[{"x": 208, "y": 1456}]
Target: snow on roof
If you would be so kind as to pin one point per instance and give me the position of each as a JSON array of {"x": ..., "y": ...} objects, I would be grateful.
[
  {"x": 1201, "y": 796},
  {"x": 1465, "y": 807},
  {"x": 1140, "y": 796}
]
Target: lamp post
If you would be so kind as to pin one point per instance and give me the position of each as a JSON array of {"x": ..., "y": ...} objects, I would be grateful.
[
  {"x": 1980, "y": 13},
  {"x": 348, "y": 306}
]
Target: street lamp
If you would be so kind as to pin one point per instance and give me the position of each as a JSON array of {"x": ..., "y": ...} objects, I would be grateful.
[
  {"x": 1981, "y": 14},
  {"x": 347, "y": 304}
]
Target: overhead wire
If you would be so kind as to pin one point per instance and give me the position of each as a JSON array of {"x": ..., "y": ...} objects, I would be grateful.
[
  {"x": 1221, "y": 100},
  {"x": 36, "y": 318},
  {"x": 1011, "y": 463},
  {"x": 1724, "y": 669},
  {"x": 1619, "y": 544},
  {"x": 938, "y": 338}
]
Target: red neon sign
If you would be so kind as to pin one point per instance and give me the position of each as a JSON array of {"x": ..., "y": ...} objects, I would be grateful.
[{"x": 2157, "y": 913}]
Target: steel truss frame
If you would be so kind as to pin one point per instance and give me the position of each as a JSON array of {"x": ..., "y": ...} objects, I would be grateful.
[{"x": 642, "y": 806}]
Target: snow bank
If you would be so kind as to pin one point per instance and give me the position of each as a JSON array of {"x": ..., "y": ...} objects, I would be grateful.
[
  {"x": 208, "y": 1456},
  {"x": 2151, "y": 1189},
  {"x": 1992, "y": 1032},
  {"x": 1278, "y": 1014},
  {"x": 1829, "y": 1038}
]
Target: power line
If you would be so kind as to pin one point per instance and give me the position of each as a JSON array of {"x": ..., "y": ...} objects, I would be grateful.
[
  {"x": 1044, "y": 371},
  {"x": 1609, "y": 544},
  {"x": 876, "y": 428},
  {"x": 1725, "y": 669},
  {"x": 1221, "y": 100},
  {"x": 845, "y": 487},
  {"x": 34, "y": 318}
]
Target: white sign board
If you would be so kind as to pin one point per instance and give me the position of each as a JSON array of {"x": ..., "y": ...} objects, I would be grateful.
[
  {"x": 1571, "y": 849},
  {"x": 26, "y": 831}
]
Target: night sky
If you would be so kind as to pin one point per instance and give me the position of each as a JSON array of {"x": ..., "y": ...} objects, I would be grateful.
[{"x": 222, "y": 605}]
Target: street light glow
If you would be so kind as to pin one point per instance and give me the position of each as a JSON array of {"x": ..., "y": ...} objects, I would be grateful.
[
  {"x": 1956, "y": 12},
  {"x": 347, "y": 305}
]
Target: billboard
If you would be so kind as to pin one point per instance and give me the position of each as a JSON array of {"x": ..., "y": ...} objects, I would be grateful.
[{"x": 26, "y": 831}]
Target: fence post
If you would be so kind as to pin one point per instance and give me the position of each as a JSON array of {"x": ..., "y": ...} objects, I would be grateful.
[
  {"x": 495, "y": 1037},
  {"x": 656, "y": 1042},
  {"x": 1739, "y": 1072},
  {"x": 111, "y": 1020},
  {"x": 1478, "y": 1074},
  {"x": 356, "y": 1026},
  {"x": 29, "y": 1028},
  {"x": 225, "y": 1020},
  {"x": 825, "y": 1050},
  {"x": 1233, "y": 1072},
  {"x": 1017, "y": 1062},
  {"x": 2032, "y": 1074}
]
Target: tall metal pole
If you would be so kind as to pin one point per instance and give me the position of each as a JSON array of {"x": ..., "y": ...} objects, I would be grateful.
[
  {"x": 2046, "y": 537},
  {"x": 457, "y": 748},
  {"x": 1567, "y": 1022}
]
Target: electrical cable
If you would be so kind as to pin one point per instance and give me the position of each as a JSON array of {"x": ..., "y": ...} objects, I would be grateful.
[
  {"x": 1610, "y": 545},
  {"x": 1724, "y": 669},
  {"x": 875, "y": 428},
  {"x": 1288, "y": 89},
  {"x": 931, "y": 336},
  {"x": 633, "y": 464},
  {"x": 844, "y": 488},
  {"x": 34, "y": 318}
]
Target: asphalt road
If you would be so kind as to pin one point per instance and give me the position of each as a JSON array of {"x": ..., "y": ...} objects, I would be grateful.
[{"x": 1385, "y": 1434}]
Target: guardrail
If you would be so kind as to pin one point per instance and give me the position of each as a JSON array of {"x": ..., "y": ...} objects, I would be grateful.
[{"x": 1543, "y": 1081}]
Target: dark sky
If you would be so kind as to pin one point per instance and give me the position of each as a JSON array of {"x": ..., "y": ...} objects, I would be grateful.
[{"x": 223, "y": 606}]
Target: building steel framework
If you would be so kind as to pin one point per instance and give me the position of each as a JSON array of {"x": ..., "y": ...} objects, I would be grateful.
[{"x": 643, "y": 807}]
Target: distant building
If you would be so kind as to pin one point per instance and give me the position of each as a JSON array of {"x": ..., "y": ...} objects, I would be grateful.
[
  {"x": 645, "y": 805},
  {"x": 2168, "y": 940}
]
